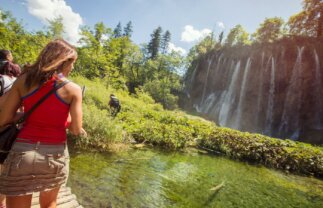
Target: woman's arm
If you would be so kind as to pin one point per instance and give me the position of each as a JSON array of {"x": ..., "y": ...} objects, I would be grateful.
[
  {"x": 10, "y": 103},
  {"x": 76, "y": 114}
]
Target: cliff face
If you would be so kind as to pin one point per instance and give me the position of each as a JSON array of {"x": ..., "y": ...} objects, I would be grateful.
[{"x": 274, "y": 89}]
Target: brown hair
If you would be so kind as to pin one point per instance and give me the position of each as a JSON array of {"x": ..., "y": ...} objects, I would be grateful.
[
  {"x": 4, "y": 54},
  {"x": 51, "y": 59}
]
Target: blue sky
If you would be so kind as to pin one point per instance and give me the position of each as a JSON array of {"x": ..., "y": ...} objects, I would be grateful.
[{"x": 187, "y": 20}]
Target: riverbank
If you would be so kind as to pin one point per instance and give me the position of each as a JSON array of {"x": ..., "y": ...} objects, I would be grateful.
[{"x": 141, "y": 120}]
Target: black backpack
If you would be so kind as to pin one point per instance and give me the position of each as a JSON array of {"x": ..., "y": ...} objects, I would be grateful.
[{"x": 114, "y": 102}]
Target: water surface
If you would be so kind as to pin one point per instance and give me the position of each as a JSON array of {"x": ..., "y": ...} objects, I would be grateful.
[{"x": 154, "y": 178}]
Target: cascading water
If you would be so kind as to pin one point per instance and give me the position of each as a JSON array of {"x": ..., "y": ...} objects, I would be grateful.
[
  {"x": 318, "y": 87},
  {"x": 270, "y": 108},
  {"x": 190, "y": 84},
  {"x": 277, "y": 91},
  {"x": 260, "y": 87},
  {"x": 237, "y": 124},
  {"x": 208, "y": 103},
  {"x": 290, "y": 118},
  {"x": 206, "y": 79},
  {"x": 228, "y": 100}
]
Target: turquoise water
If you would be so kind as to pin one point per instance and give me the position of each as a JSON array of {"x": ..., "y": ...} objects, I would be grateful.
[{"x": 153, "y": 178}]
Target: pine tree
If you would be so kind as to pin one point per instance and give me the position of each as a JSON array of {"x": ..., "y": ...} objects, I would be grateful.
[
  {"x": 127, "y": 31},
  {"x": 154, "y": 44},
  {"x": 165, "y": 41},
  {"x": 117, "y": 31}
]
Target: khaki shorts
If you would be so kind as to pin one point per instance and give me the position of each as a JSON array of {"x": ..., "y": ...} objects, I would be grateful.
[{"x": 34, "y": 167}]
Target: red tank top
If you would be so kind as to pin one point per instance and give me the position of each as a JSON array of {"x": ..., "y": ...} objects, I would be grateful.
[{"x": 48, "y": 122}]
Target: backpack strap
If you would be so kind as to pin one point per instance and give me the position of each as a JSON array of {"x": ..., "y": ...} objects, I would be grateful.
[{"x": 1, "y": 85}]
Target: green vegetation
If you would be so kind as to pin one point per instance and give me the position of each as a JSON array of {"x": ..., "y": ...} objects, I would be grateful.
[{"x": 145, "y": 121}]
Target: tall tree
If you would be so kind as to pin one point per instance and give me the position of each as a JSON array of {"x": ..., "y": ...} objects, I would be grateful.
[
  {"x": 117, "y": 31},
  {"x": 127, "y": 31},
  {"x": 56, "y": 27},
  {"x": 165, "y": 42},
  {"x": 221, "y": 37},
  {"x": 237, "y": 36},
  {"x": 308, "y": 22},
  {"x": 154, "y": 44},
  {"x": 270, "y": 30},
  {"x": 101, "y": 31}
]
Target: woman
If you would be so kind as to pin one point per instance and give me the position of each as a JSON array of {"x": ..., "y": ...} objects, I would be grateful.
[
  {"x": 38, "y": 160},
  {"x": 8, "y": 74},
  {"x": 7, "y": 67}
]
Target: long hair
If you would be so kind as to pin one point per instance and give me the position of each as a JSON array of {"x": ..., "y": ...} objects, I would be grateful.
[
  {"x": 4, "y": 54},
  {"x": 51, "y": 59}
]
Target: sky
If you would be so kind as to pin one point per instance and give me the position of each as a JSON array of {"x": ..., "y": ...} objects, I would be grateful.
[{"x": 187, "y": 20}]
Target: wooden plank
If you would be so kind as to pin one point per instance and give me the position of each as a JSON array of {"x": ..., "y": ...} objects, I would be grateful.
[{"x": 65, "y": 199}]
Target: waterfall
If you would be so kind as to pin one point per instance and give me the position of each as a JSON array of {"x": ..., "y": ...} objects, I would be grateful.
[
  {"x": 228, "y": 100},
  {"x": 242, "y": 95},
  {"x": 192, "y": 80},
  {"x": 208, "y": 103},
  {"x": 292, "y": 104},
  {"x": 318, "y": 92},
  {"x": 221, "y": 95},
  {"x": 207, "y": 76},
  {"x": 269, "y": 116},
  {"x": 261, "y": 74}
]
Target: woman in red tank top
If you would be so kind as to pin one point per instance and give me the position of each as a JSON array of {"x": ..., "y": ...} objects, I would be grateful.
[{"x": 38, "y": 161}]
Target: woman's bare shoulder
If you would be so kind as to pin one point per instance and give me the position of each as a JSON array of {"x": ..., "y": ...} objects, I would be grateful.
[{"x": 72, "y": 87}]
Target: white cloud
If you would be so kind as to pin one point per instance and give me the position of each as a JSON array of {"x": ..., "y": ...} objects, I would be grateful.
[
  {"x": 172, "y": 47},
  {"x": 47, "y": 10},
  {"x": 190, "y": 34},
  {"x": 221, "y": 25}
]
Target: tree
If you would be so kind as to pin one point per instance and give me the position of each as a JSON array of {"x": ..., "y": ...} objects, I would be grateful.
[
  {"x": 165, "y": 41},
  {"x": 237, "y": 36},
  {"x": 154, "y": 44},
  {"x": 308, "y": 22},
  {"x": 56, "y": 27},
  {"x": 117, "y": 31},
  {"x": 221, "y": 37},
  {"x": 101, "y": 31},
  {"x": 270, "y": 30},
  {"x": 127, "y": 31}
]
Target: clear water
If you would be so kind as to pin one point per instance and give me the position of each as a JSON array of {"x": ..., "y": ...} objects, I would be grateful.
[{"x": 153, "y": 178}]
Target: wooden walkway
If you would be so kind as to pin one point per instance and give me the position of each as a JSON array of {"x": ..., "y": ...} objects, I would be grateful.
[{"x": 65, "y": 199}]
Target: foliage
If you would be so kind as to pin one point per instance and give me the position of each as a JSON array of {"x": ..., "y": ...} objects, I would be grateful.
[
  {"x": 237, "y": 36},
  {"x": 117, "y": 31},
  {"x": 56, "y": 28},
  {"x": 276, "y": 153},
  {"x": 308, "y": 22},
  {"x": 154, "y": 44},
  {"x": 142, "y": 120},
  {"x": 127, "y": 31},
  {"x": 270, "y": 30},
  {"x": 165, "y": 41},
  {"x": 204, "y": 46}
]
